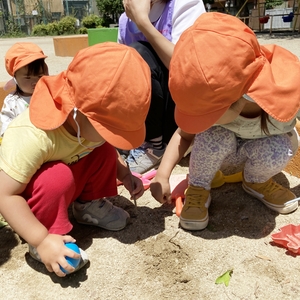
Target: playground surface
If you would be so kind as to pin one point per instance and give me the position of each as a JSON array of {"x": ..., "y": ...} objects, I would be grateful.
[{"x": 153, "y": 258}]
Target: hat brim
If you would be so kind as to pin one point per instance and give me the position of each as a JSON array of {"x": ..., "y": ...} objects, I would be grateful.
[
  {"x": 49, "y": 107},
  {"x": 197, "y": 123},
  {"x": 27, "y": 60},
  {"x": 276, "y": 89},
  {"x": 120, "y": 139}
]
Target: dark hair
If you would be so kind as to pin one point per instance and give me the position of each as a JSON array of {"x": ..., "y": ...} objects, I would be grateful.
[
  {"x": 34, "y": 69},
  {"x": 264, "y": 120}
]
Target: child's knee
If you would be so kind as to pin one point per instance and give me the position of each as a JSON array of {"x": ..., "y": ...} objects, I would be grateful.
[
  {"x": 53, "y": 178},
  {"x": 217, "y": 139}
]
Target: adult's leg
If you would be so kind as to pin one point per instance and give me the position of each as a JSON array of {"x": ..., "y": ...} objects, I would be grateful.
[
  {"x": 160, "y": 124},
  {"x": 160, "y": 119}
]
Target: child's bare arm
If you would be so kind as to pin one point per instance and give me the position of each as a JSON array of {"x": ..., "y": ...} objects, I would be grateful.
[
  {"x": 233, "y": 111},
  {"x": 176, "y": 148},
  {"x": 122, "y": 168},
  {"x": 133, "y": 184},
  {"x": 17, "y": 213}
]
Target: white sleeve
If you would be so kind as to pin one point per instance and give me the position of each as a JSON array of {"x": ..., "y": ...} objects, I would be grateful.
[
  {"x": 184, "y": 15},
  {"x": 13, "y": 105},
  {"x": 119, "y": 41},
  {"x": 7, "y": 113}
]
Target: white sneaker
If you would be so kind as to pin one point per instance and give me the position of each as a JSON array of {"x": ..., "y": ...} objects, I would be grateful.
[
  {"x": 144, "y": 158},
  {"x": 101, "y": 213}
]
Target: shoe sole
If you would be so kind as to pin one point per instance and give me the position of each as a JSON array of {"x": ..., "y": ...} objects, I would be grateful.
[
  {"x": 153, "y": 167},
  {"x": 194, "y": 225},
  {"x": 103, "y": 227},
  {"x": 280, "y": 209}
]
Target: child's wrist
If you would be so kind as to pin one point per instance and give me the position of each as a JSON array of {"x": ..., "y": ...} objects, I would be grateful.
[
  {"x": 39, "y": 240},
  {"x": 124, "y": 175}
]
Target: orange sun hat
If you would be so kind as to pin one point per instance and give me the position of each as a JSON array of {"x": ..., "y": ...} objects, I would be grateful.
[
  {"x": 20, "y": 55},
  {"x": 109, "y": 83},
  {"x": 218, "y": 60}
]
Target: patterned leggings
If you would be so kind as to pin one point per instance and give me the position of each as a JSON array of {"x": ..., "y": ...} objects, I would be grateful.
[{"x": 216, "y": 147}]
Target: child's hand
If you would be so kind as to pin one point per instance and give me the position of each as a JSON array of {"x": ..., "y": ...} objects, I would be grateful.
[
  {"x": 160, "y": 189},
  {"x": 52, "y": 251},
  {"x": 134, "y": 185}
]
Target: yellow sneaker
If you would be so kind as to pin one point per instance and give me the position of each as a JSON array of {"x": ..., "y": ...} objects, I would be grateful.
[
  {"x": 194, "y": 214},
  {"x": 272, "y": 195}
]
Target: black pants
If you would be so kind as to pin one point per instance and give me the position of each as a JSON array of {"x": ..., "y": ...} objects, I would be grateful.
[{"x": 160, "y": 119}]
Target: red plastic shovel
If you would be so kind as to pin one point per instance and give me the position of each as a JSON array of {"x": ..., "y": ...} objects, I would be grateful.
[{"x": 178, "y": 184}]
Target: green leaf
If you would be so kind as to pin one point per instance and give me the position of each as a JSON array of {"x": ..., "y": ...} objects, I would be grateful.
[{"x": 224, "y": 278}]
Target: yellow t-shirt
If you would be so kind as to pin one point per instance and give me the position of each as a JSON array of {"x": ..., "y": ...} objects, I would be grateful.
[{"x": 25, "y": 148}]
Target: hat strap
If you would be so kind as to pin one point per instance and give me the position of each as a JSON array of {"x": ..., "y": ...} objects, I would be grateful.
[
  {"x": 78, "y": 127},
  {"x": 78, "y": 131}
]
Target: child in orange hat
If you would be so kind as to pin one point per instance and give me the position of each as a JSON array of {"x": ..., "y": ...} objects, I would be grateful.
[
  {"x": 239, "y": 101},
  {"x": 25, "y": 62},
  {"x": 61, "y": 151}
]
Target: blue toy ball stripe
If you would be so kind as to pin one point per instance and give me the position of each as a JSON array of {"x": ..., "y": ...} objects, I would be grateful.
[{"x": 73, "y": 262}]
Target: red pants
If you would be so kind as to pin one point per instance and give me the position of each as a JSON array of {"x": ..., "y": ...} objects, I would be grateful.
[{"x": 56, "y": 185}]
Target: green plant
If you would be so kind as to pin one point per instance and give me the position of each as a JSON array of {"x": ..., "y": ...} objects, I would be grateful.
[
  {"x": 20, "y": 7},
  {"x": 92, "y": 21},
  {"x": 270, "y": 4},
  {"x": 53, "y": 28},
  {"x": 67, "y": 25},
  {"x": 13, "y": 28},
  {"x": 83, "y": 30},
  {"x": 110, "y": 10},
  {"x": 40, "y": 30}
]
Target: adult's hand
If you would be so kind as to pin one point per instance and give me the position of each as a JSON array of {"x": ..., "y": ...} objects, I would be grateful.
[{"x": 137, "y": 10}]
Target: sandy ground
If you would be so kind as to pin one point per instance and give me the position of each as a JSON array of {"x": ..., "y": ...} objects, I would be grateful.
[{"x": 153, "y": 258}]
